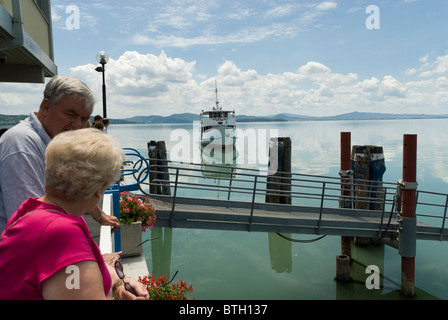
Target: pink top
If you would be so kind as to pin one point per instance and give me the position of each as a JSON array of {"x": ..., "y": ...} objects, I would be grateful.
[{"x": 41, "y": 243}]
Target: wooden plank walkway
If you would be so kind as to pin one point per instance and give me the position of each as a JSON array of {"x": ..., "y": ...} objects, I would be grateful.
[
  {"x": 240, "y": 219},
  {"x": 348, "y": 222}
]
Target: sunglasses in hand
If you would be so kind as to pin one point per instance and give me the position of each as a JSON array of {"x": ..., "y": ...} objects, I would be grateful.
[{"x": 120, "y": 273}]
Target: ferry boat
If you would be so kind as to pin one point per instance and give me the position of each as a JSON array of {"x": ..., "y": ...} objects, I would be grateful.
[{"x": 218, "y": 126}]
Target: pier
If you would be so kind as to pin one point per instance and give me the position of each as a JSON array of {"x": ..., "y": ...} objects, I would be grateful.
[
  {"x": 316, "y": 206},
  {"x": 321, "y": 215}
]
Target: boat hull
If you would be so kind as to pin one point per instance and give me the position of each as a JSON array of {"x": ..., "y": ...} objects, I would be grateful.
[{"x": 219, "y": 137}]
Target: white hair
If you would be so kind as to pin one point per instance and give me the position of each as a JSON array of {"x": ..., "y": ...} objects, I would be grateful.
[{"x": 62, "y": 86}]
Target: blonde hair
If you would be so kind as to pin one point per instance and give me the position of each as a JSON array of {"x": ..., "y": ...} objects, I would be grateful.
[{"x": 80, "y": 162}]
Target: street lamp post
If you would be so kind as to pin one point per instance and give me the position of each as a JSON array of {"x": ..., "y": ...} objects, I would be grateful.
[{"x": 102, "y": 57}]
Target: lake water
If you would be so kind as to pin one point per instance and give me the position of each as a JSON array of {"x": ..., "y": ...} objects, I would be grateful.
[{"x": 251, "y": 265}]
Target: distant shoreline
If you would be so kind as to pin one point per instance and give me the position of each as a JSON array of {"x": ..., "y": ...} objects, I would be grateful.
[{"x": 10, "y": 120}]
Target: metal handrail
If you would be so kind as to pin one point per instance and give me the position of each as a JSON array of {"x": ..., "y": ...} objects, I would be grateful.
[
  {"x": 313, "y": 184},
  {"x": 250, "y": 185}
]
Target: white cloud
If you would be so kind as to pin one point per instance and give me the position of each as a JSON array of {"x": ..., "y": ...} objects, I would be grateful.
[
  {"x": 281, "y": 11},
  {"x": 410, "y": 71},
  {"x": 20, "y": 98},
  {"x": 247, "y": 35},
  {"x": 327, "y": 5},
  {"x": 313, "y": 67},
  {"x": 177, "y": 23},
  {"x": 424, "y": 59},
  {"x": 140, "y": 81},
  {"x": 442, "y": 82},
  {"x": 146, "y": 84},
  {"x": 439, "y": 67}
]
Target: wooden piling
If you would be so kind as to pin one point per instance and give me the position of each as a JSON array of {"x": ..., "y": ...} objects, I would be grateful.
[
  {"x": 368, "y": 169},
  {"x": 278, "y": 186},
  {"x": 343, "y": 268},
  {"x": 158, "y": 172},
  {"x": 368, "y": 164},
  {"x": 346, "y": 242},
  {"x": 278, "y": 190},
  {"x": 361, "y": 172},
  {"x": 409, "y": 203}
]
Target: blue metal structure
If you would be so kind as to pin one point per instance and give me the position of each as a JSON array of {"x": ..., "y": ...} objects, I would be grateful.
[{"x": 117, "y": 188}]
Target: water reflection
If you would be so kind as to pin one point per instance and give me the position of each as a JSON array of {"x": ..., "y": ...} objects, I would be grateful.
[
  {"x": 161, "y": 249},
  {"x": 280, "y": 253},
  {"x": 218, "y": 162},
  {"x": 224, "y": 265}
]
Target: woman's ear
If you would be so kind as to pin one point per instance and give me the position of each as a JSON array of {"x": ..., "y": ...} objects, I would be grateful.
[{"x": 100, "y": 192}]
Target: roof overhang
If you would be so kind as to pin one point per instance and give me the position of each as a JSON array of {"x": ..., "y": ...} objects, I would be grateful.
[{"x": 25, "y": 57}]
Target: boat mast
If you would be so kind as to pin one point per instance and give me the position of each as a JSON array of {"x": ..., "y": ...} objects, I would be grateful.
[{"x": 216, "y": 93}]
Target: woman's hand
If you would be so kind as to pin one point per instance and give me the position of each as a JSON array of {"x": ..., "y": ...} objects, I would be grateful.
[
  {"x": 107, "y": 220},
  {"x": 110, "y": 258},
  {"x": 139, "y": 288}
]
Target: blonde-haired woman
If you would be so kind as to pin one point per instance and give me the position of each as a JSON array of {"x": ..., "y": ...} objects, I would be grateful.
[{"x": 46, "y": 251}]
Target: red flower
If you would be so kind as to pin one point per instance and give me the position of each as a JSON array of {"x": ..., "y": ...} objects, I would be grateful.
[
  {"x": 133, "y": 209},
  {"x": 160, "y": 290}
]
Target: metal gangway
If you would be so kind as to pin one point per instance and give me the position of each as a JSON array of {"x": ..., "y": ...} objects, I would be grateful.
[{"x": 228, "y": 197}]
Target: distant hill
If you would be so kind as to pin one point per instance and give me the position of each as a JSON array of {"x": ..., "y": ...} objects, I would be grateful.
[
  {"x": 380, "y": 116},
  {"x": 7, "y": 121},
  {"x": 174, "y": 118},
  {"x": 189, "y": 117}
]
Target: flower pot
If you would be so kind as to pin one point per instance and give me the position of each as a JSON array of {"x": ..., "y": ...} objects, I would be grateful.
[{"x": 131, "y": 239}]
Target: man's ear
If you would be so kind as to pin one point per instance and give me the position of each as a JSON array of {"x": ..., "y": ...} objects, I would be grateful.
[{"x": 44, "y": 106}]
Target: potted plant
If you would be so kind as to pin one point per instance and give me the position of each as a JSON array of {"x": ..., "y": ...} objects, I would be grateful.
[
  {"x": 161, "y": 289},
  {"x": 136, "y": 215}
]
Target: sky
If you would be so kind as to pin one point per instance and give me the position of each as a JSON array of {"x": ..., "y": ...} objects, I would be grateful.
[{"x": 303, "y": 57}]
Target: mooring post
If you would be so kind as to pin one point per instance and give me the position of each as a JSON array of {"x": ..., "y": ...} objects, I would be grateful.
[
  {"x": 343, "y": 260},
  {"x": 345, "y": 185},
  {"x": 368, "y": 168},
  {"x": 408, "y": 223},
  {"x": 158, "y": 168},
  {"x": 278, "y": 190},
  {"x": 368, "y": 164},
  {"x": 278, "y": 186}
]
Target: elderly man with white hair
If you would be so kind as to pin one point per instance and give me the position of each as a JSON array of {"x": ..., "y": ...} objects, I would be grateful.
[{"x": 67, "y": 105}]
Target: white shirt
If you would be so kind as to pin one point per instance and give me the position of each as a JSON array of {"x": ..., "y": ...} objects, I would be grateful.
[{"x": 22, "y": 165}]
